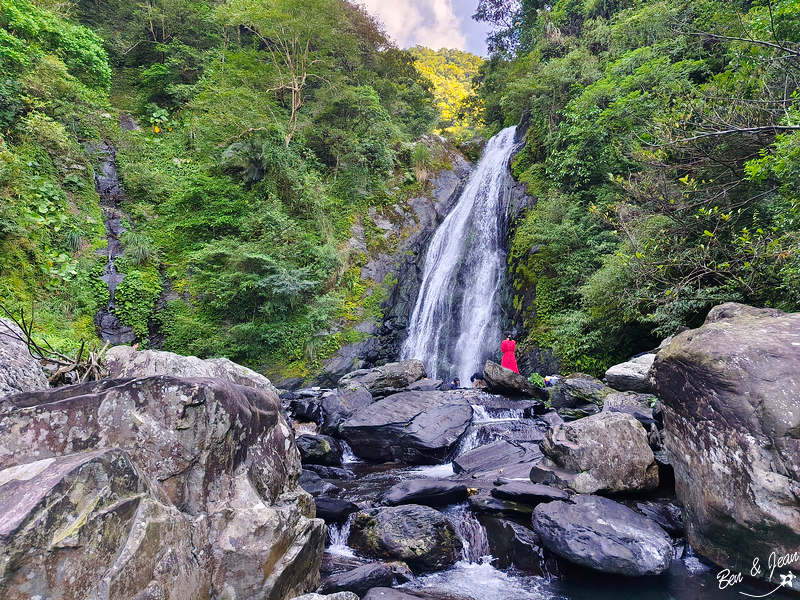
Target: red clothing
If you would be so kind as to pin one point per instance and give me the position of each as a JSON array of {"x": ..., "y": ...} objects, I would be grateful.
[{"x": 509, "y": 360}]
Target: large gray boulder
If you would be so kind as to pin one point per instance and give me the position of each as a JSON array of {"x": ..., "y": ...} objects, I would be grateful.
[
  {"x": 608, "y": 452},
  {"x": 192, "y": 482},
  {"x": 384, "y": 380},
  {"x": 418, "y": 535},
  {"x": 632, "y": 375},
  {"x": 19, "y": 371},
  {"x": 731, "y": 405},
  {"x": 124, "y": 362},
  {"x": 498, "y": 459},
  {"x": 578, "y": 390},
  {"x": 603, "y": 535},
  {"x": 430, "y": 492},
  {"x": 416, "y": 427},
  {"x": 500, "y": 380}
]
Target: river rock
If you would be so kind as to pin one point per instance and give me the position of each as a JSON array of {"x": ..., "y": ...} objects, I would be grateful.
[
  {"x": 731, "y": 405},
  {"x": 334, "y": 510},
  {"x": 631, "y": 375},
  {"x": 608, "y": 452},
  {"x": 529, "y": 493},
  {"x": 340, "y": 405},
  {"x": 124, "y": 362},
  {"x": 315, "y": 485},
  {"x": 416, "y": 427},
  {"x": 171, "y": 488},
  {"x": 500, "y": 459},
  {"x": 430, "y": 492},
  {"x": 385, "y": 380},
  {"x": 359, "y": 581},
  {"x": 603, "y": 535},
  {"x": 331, "y": 472},
  {"x": 19, "y": 371},
  {"x": 418, "y": 535},
  {"x": 577, "y": 390},
  {"x": 665, "y": 514},
  {"x": 484, "y": 502},
  {"x": 319, "y": 450},
  {"x": 336, "y": 596},
  {"x": 511, "y": 544},
  {"x": 500, "y": 380}
]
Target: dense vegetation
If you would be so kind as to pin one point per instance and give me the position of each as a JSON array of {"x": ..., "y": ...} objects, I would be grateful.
[
  {"x": 661, "y": 146},
  {"x": 267, "y": 129}
]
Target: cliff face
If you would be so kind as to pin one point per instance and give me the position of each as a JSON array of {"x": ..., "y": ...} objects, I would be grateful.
[{"x": 394, "y": 241}]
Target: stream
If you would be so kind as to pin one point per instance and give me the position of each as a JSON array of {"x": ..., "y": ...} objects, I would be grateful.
[
  {"x": 484, "y": 575},
  {"x": 108, "y": 187}
]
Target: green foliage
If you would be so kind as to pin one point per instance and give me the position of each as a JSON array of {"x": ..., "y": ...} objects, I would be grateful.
[
  {"x": 536, "y": 380},
  {"x": 135, "y": 299},
  {"x": 652, "y": 207}
]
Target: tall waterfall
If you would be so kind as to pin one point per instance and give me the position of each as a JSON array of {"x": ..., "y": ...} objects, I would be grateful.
[{"x": 455, "y": 325}]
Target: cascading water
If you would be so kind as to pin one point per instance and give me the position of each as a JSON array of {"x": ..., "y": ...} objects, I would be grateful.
[
  {"x": 455, "y": 325},
  {"x": 108, "y": 188}
]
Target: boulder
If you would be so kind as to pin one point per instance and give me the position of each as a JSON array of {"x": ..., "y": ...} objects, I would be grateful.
[
  {"x": 608, "y": 452},
  {"x": 334, "y": 510},
  {"x": 19, "y": 371},
  {"x": 665, "y": 514},
  {"x": 731, "y": 407},
  {"x": 500, "y": 459},
  {"x": 340, "y": 405},
  {"x": 632, "y": 375},
  {"x": 330, "y": 472},
  {"x": 484, "y": 502},
  {"x": 359, "y": 581},
  {"x": 603, "y": 535},
  {"x": 319, "y": 450},
  {"x": 578, "y": 390},
  {"x": 511, "y": 544},
  {"x": 315, "y": 485},
  {"x": 336, "y": 596},
  {"x": 430, "y": 492},
  {"x": 528, "y": 493},
  {"x": 182, "y": 488},
  {"x": 416, "y": 427},
  {"x": 385, "y": 380},
  {"x": 55, "y": 506},
  {"x": 500, "y": 380},
  {"x": 418, "y": 535},
  {"x": 124, "y": 362}
]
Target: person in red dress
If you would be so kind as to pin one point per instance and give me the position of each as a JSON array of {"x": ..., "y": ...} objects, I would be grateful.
[{"x": 508, "y": 346}]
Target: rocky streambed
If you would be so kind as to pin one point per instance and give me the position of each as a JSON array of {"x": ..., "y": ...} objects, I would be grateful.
[{"x": 181, "y": 478}]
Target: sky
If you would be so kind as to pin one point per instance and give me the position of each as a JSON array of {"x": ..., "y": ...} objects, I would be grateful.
[{"x": 432, "y": 23}]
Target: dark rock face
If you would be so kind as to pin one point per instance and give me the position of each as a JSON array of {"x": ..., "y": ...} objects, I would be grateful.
[
  {"x": 19, "y": 371},
  {"x": 500, "y": 459},
  {"x": 603, "y": 535},
  {"x": 385, "y": 380},
  {"x": 163, "y": 480},
  {"x": 608, "y": 452},
  {"x": 315, "y": 485},
  {"x": 418, "y": 535},
  {"x": 334, "y": 510},
  {"x": 416, "y": 427},
  {"x": 578, "y": 390},
  {"x": 730, "y": 393},
  {"x": 359, "y": 581},
  {"x": 529, "y": 493},
  {"x": 514, "y": 545},
  {"x": 429, "y": 492},
  {"x": 632, "y": 375},
  {"x": 339, "y": 406},
  {"x": 665, "y": 514},
  {"x": 319, "y": 450},
  {"x": 500, "y": 380}
]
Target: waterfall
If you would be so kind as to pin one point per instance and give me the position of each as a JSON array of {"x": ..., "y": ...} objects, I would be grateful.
[{"x": 455, "y": 325}]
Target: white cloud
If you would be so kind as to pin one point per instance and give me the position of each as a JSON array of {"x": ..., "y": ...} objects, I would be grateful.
[{"x": 431, "y": 23}]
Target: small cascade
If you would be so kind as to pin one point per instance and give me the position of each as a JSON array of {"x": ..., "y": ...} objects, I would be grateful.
[
  {"x": 480, "y": 414},
  {"x": 348, "y": 458},
  {"x": 472, "y": 533},
  {"x": 455, "y": 325},
  {"x": 106, "y": 182},
  {"x": 337, "y": 538}
]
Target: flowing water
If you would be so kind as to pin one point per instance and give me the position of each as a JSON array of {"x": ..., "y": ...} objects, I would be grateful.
[
  {"x": 455, "y": 325},
  {"x": 478, "y": 577},
  {"x": 106, "y": 182}
]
